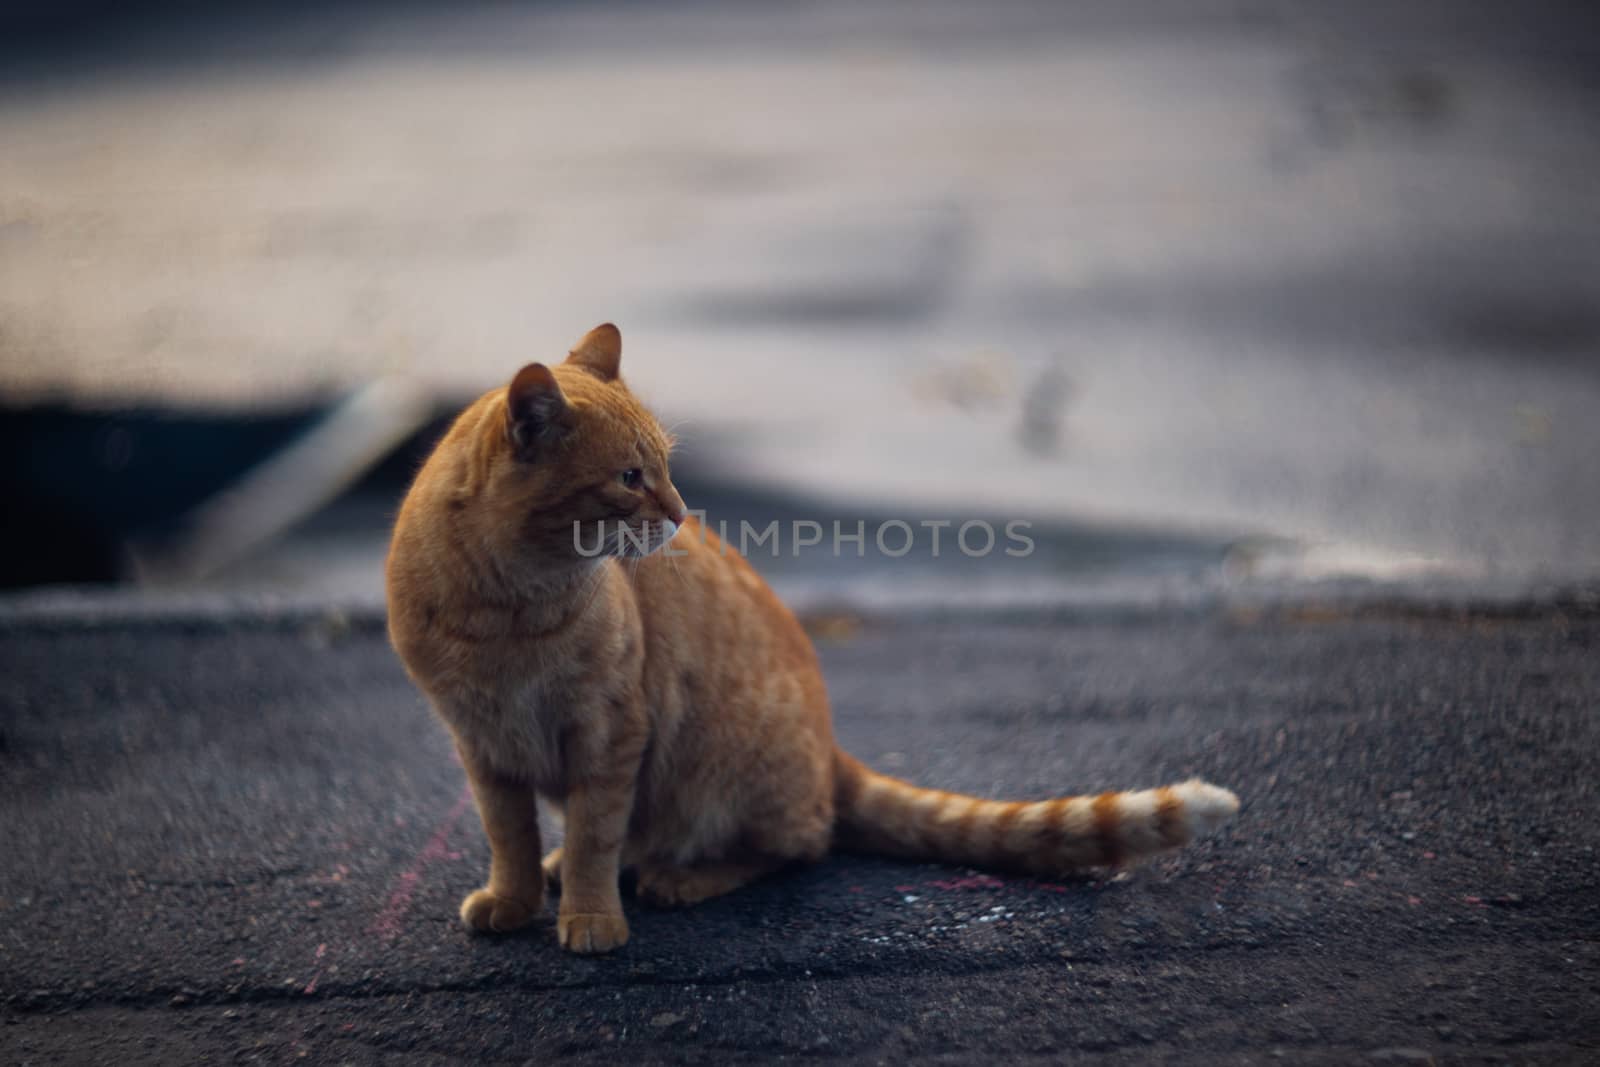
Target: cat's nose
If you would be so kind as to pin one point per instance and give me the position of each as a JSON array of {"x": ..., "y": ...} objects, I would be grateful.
[{"x": 672, "y": 505}]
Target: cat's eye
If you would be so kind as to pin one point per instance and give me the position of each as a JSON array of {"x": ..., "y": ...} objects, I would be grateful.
[{"x": 632, "y": 477}]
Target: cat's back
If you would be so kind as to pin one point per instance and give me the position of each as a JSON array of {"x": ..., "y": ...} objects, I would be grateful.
[
  {"x": 437, "y": 607},
  {"x": 711, "y": 621}
]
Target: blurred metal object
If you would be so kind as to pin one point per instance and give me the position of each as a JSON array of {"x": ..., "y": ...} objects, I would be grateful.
[{"x": 309, "y": 472}]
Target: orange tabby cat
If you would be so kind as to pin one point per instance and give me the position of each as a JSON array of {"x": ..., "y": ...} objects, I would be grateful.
[{"x": 671, "y": 706}]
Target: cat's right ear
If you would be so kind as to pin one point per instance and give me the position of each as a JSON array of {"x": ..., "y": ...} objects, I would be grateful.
[{"x": 535, "y": 408}]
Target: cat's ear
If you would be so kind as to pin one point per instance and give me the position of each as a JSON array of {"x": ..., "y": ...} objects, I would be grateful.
[
  {"x": 535, "y": 407},
  {"x": 600, "y": 352}
]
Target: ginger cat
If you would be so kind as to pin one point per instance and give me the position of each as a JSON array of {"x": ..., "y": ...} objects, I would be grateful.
[{"x": 668, "y": 703}]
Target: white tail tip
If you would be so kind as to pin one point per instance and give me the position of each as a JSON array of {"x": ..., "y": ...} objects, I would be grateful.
[{"x": 1207, "y": 806}]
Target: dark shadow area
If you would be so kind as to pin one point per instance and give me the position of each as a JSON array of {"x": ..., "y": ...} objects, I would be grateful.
[
  {"x": 79, "y": 485},
  {"x": 53, "y": 42},
  {"x": 84, "y": 486}
]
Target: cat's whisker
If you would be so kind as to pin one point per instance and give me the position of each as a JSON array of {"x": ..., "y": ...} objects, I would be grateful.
[
  {"x": 592, "y": 586},
  {"x": 674, "y": 559},
  {"x": 616, "y": 544},
  {"x": 675, "y": 434}
]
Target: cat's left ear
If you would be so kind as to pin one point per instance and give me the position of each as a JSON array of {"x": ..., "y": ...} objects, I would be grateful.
[
  {"x": 600, "y": 352},
  {"x": 535, "y": 408}
]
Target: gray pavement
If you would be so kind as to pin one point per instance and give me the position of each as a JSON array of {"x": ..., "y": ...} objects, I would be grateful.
[{"x": 244, "y": 842}]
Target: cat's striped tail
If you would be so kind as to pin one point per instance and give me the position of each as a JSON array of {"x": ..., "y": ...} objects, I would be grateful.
[{"x": 878, "y": 814}]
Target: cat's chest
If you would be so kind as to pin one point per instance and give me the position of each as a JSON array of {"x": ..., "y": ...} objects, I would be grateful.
[
  {"x": 522, "y": 702},
  {"x": 524, "y": 740},
  {"x": 519, "y": 725}
]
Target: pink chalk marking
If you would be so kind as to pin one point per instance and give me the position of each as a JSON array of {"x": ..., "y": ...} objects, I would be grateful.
[
  {"x": 311, "y": 986},
  {"x": 387, "y": 924}
]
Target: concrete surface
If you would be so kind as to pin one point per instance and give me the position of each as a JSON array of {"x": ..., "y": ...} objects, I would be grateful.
[
  {"x": 245, "y": 842},
  {"x": 1321, "y": 271}
]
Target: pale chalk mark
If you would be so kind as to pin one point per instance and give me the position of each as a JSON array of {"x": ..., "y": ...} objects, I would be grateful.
[{"x": 387, "y": 924}]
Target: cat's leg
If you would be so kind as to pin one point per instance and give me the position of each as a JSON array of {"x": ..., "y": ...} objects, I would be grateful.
[
  {"x": 590, "y": 918},
  {"x": 515, "y": 893},
  {"x": 675, "y": 886},
  {"x": 791, "y": 822},
  {"x": 552, "y": 868}
]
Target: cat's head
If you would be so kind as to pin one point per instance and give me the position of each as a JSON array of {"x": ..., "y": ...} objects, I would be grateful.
[{"x": 580, "y": 468}]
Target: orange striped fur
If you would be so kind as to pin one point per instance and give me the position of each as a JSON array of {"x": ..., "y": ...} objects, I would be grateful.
[
  {"x": 880, "y": 814},
  {"x": 666, "y": 704}
]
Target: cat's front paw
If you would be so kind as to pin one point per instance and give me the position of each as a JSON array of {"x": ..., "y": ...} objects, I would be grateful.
[
  {"x": 486, "y": 913},
  {"x": 592, "y": 933}
]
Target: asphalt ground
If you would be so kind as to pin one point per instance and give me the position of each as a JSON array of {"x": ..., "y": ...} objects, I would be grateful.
[{"x": 245, "y": 842}]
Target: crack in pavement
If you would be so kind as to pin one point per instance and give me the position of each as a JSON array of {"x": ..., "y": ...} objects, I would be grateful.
[{"x": 888, "y": 965}]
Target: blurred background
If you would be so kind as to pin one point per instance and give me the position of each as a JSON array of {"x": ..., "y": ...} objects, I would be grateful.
[{"x": 1220, "y": 295}]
